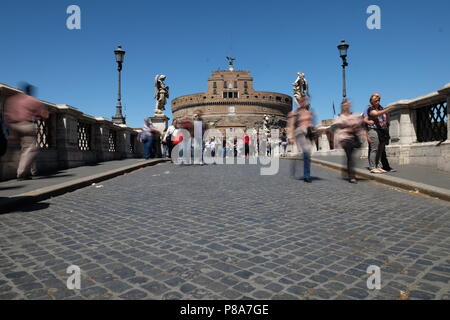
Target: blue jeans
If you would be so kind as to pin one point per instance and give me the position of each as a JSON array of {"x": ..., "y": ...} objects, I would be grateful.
[
  {"x": 306, "y": 165},
  {"x": 305, "y": 145},
  {"x": 148, "y": 145}
]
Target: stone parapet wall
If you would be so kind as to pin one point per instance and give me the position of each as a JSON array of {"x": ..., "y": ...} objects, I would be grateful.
[{"x": 65, "y": 145}]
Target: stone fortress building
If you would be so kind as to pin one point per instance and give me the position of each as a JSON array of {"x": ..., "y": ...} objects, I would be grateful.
[{"x": 231, "y": 103}]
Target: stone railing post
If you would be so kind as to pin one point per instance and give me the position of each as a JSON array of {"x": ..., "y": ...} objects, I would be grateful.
[
  {"x": 123, "y": 140},
  {"x": 444, "y": 161},
  {"x": 402, "y": 128},
  {"x": 324, "y": 144},
  {"x": 67, "y": 136},
  {"x": 446, "y": 93},
  {"x": 102, "y": 139}
]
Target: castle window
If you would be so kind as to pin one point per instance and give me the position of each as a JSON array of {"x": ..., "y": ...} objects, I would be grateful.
[
  {"x": 278, "y": 98},
  {"x": 225, "y": 84},
  {"x": 235, "y": 85},
  {"x": 230, "y": 95},
  {"x": 214, "y": 84},
  {"x": 245, "y": 85}
]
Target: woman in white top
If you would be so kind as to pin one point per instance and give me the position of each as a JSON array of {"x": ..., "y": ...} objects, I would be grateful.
[{"x": 168, "y": 137}]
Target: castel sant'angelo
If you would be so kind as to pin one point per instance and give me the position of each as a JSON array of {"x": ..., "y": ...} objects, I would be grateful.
[{"x": 231, "y": 103}]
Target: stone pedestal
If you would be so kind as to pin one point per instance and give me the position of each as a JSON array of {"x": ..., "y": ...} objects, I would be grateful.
[
  {"x": 324, "y": 145},
  {"x": 160, "y": 121}
]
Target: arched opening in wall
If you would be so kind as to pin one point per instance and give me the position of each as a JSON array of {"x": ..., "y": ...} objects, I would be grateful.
[{"x": 133, "y": 138}]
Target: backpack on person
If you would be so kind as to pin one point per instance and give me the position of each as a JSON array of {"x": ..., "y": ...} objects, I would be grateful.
[{"x": 3, "y": 140}]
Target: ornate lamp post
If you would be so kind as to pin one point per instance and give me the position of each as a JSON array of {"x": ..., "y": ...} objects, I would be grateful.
[
  {"x": 343, "y": 47},
  {"x": 119, "y": 118}
]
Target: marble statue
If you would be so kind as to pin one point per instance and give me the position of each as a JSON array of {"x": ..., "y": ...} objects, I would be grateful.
[
  {"x": 161, "y": 93},
  {"x": 230, "y": 63},
  {"x": 301, "y": 87}
]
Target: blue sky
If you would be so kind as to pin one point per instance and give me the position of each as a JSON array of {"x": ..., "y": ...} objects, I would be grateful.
[{"x": 187, "y": 40}]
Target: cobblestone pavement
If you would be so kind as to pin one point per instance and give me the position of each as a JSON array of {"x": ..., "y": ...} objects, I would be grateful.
[{"x": 225, "y": 232}]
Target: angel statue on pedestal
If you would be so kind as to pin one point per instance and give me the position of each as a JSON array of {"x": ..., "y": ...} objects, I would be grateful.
[
  {"x": 161, "y": 93},
  {"x": 301, "y": 88}
]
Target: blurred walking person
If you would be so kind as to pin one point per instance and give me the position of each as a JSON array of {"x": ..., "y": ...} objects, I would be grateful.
[
  {"x": 168, "y": 137},
  {"x": 3, "y": 140},
  {"x": 300, "y": 131},
  {"x": 283, "y": 143},
  {"x": 22, "y": 111},
  {"x": 146, "y": 137},
  {"x": 349, "y": 128},
  {"x": 246, "y": 144}
]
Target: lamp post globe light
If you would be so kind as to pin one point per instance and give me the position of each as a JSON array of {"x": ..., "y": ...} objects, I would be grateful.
[
  {"x": 343, "y": 47},
  {"x": 119, "y": 118}
]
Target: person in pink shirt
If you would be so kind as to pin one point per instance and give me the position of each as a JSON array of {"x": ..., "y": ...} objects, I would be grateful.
[
  {"x": 348, "y": 128},
  {"x": 21, "y": 113}
]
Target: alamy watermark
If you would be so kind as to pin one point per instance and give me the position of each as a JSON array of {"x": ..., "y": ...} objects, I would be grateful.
[
  {"x": 74, "y": 280},
  {"x": 374, "y": 281},
  {"x": 374, "y": 21},
  {"x": 73, "y": 22},
  {"x": 262, "y": 149}
]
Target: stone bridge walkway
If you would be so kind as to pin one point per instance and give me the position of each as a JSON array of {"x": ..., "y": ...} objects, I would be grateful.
[{"x": 225, "y": 232}]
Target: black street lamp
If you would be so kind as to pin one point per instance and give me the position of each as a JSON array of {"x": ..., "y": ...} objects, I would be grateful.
[
  {"x": 119, "y": 118},
  {"x": 343, "y": 47}
]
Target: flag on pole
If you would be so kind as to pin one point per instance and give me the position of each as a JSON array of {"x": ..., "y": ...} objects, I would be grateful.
[{"x": 334, "y": 110}]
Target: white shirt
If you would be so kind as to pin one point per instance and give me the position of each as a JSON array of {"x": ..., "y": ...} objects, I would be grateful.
[{"x": 170, "y": 130}]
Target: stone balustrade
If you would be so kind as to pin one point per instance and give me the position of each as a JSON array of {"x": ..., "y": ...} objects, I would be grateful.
[{"x": 69, "y": 138}]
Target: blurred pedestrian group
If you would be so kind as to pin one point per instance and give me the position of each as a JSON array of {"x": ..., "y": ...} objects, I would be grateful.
[{"x": 22, "y": 112}]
